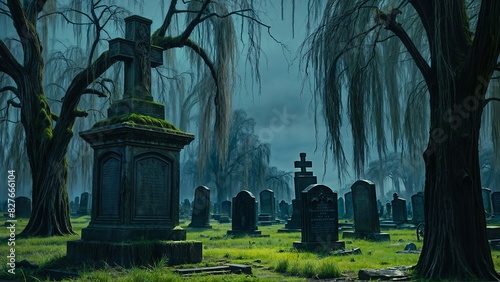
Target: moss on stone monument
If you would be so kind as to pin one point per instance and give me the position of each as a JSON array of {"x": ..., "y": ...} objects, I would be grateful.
[{"x": 138, "y": 119}]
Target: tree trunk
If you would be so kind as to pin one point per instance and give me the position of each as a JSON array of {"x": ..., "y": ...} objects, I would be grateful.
[
  {"x": 455, "y": 242},
  {"x": 50, "y": 213}
]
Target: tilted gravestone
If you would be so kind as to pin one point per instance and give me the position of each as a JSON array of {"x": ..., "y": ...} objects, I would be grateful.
[
  {"x": 341, "y": 207},
  {"x": 348, "y": 205},
  {"x": 244, "y": 215},
  {"x": 486, "y": 193},
  {"x": 267, "y": 214},
  {"x": 366, "y": 221},
  {"x": 284, "y": 214},
  {"x": 23, "y": 207},
  {"x": 495, "y": 203},
  {"x": 135, "y": 208},
  {"x": 200, "y": 217},
  {"x": 85, "y": 203},
  {"x": 399, "y": 212},
  {"x": 319, "y": 220},
  {"x": 302, "y": 180},
  {"x": 417, "y": 205}
]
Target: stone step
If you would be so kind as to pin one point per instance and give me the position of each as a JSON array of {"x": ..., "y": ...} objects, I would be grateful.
[{"x": 224, "y": 269}]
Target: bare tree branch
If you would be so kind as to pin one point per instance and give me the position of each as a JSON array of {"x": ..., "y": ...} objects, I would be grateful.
[
  {"x": 189, "y": 29},
  {"x": 13, "y": 103},
  {"x": 11, "y": 89},
  {"x": 390, "y": 23},
  {"x": 168, "y": 19},
  {"x": 33, "y": 9},
  {"x": 80, "y": 113},
  {"x": 99, "y": 94},
  {"x": 490, "y": 100},
  {"x": 8, "y": 63}
]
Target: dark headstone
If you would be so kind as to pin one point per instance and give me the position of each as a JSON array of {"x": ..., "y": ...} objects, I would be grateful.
[
  {"x": 388, "y": 208},
  {"x": 85, "y": 203},
  {"x": 417, "y": 205},
  {"x": 284, "y": 214},
  {"x": 486, "y": 193},
  {"x": 399, "y": 213},
  {"x": 319, "y": 220},
  {"x": 244, "y": 220},
  {"x": 185, "y": 208},
  {"x": 302, "y": 180},
  {"x": 341, "y": 207},
  {"x": 348, "y": 205},
  {"x": 225, "y": 207},
  {"x": 366, "y": 221},
  {"x": 201, "y": 208},
  {"x": 410, "y": 247},
  {"x": 495, "y": 203},
  {"x": 267, "y": 214},
  {"x": 23, "y": 207},
  {"x": 135, "y": 203}
]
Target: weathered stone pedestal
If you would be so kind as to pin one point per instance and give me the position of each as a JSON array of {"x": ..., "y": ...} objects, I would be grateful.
[{"x": 135, "y": 211}]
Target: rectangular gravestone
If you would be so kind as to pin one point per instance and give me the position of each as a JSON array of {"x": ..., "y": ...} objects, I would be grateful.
[
  {"x": 348, "y": 205},
  {"x": 366, "y": 221},
  {"x": 399, "y": 212},
  {"x": 302, "y": 180},
  {"x": 200, "y": 217},
  {"x": 486, "y": 193},
  {"x": 319, "y": 220},
  {"x": 225, "y": 212},
  {"x": 77, "y": 204},
  {"x": 417, "y": 205},
  {"x": 244, "y": 215},
  {"x": 341, "y": 207},
  {"x": 84, "y": 208},
  {"x": 283, "y": 206},
  {"x": 23, "y": 207},
  {"x": 267, "y": 214},
  {"x": 495, "y": 203}
]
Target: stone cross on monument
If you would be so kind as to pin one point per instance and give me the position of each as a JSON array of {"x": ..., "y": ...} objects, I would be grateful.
[
  {"x": 303, "y": 164},
  {"x": 139, "y": 57}
]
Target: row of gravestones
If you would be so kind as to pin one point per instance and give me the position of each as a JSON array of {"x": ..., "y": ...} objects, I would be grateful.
[{"x": 396, "y": 209}]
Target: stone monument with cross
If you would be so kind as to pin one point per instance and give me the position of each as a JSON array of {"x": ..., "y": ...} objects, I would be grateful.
[
  {"x": 135, "y": 210},
  {"x": 302, "y": 180}
]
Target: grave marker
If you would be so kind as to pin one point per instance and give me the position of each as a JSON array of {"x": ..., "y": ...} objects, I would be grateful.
[
  {"x": 495, "y": 203},
  {"x": 200, "y": 217},
  {"x": 135, "y": 208},
  {"x": 399, "y": 212},
  {"x": 284, "y": 214},
  {"x": 366, "y": 221},
  {"x": 244, "y": 219},
  {"x": 302, "y": 180},
  {"x": 417, "y": 205},
  {"x": 319, "y": 220},
  {"x": 348, "y": 205},
  {"x": 267, "y": 214},
  {"x": 340, "y": 203}
]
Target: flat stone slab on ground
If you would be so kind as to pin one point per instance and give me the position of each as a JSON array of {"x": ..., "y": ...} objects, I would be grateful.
[
  {"x": 224, "y": 269},
  {"x": 399, "y": 273}
]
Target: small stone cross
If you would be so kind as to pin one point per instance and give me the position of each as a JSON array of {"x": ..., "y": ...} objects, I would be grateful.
[
  {"x": 139, "y": 56},
  {"x": 303, "y": 164}
]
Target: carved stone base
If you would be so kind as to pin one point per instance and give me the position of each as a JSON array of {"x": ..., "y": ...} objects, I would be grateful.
[
  {"x": 319, "y": 246},
  {"x": 366, "y": 236},
  {"x": 135, "y": 253}
]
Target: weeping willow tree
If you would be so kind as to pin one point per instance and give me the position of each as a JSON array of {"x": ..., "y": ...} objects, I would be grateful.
[
  {"x": 246, "y": 166},
  {"x": 48, "y": 127},
  {"x": 364, "y": 52}
]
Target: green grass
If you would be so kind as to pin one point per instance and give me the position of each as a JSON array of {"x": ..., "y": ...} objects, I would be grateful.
[{"x": 271, "y": 258}]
